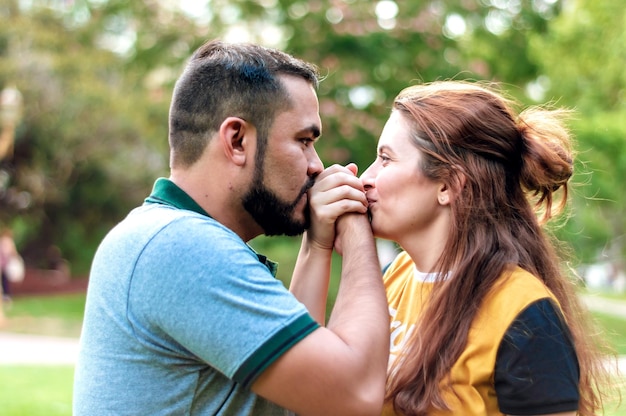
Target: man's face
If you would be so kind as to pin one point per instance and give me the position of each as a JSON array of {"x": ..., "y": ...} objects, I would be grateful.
[
  {"x": 274, "y": 215},
  {"x": 277, "y": 198}
]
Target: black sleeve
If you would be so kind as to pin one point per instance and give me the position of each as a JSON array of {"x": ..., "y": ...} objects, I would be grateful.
[{"x": 536, "y": 366}]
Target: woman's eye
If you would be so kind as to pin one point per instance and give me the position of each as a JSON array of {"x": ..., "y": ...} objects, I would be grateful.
[{"x": 384, "y": 158}]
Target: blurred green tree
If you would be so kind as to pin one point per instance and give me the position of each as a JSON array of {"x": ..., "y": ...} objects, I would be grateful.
[
  {"x": 582, "y": 57},
  {"x": 90, "y": 139},
  {"x": 96, "y": 76}
]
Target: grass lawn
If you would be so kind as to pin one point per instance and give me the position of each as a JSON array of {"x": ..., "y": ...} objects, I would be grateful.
[
  {"x": 36, "y": 390},
  {"x": 47, "y": 390},
  {"x": 59, "y": 315},
  {"x": 615, "y": 331}
]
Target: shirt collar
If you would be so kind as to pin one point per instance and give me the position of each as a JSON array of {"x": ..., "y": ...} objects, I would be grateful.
[
  {"x": 166, "y": 192},
  {"x": 429, "y": 277}
]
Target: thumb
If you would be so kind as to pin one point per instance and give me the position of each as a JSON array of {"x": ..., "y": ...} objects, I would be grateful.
[{"x": 353, "y": 168}]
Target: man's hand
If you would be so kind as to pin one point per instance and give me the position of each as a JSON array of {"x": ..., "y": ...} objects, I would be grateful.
[
  {"x": 337, "y": 191},
  {"x": 344, "y": 362}
]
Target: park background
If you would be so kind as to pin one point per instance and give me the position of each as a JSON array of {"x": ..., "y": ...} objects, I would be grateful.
[{"x": 86, "y": 87}]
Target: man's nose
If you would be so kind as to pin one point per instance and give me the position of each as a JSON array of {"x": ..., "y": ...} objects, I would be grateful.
[{"x": 315, "y": 164}]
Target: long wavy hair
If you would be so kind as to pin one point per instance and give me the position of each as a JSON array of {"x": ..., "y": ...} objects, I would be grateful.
[{"x": 510, "y": 173}]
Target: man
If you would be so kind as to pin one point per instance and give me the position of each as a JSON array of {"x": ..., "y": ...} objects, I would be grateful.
[{"x": 182, "y": 316}]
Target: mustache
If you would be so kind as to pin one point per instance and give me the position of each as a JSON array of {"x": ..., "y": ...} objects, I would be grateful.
[
  {"x": 305, "y": 189},
  {"x": 307, "y": 186}
]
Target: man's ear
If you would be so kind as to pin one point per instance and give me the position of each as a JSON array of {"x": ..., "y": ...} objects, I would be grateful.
[{"x": 235, "y": 136}]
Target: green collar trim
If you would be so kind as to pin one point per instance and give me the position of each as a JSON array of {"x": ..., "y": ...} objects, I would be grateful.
[{"x": 166, "y": 192}]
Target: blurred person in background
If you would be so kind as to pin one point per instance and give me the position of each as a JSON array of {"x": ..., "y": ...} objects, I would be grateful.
[{"x": 11, "y": 263}]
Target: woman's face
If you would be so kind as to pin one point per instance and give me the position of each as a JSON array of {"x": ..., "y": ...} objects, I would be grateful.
[{"x": 404, "y": 204}]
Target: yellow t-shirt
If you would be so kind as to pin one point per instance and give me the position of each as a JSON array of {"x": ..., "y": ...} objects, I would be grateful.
[{"x": 472, "y": 375}]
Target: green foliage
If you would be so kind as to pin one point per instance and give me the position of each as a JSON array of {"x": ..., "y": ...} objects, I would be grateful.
[
  {"x": 96, "y": 77},
  {"x": 582, "y": 55},
  {"x": 359, "y": 52},
  {"x": 88, "y": 147}
]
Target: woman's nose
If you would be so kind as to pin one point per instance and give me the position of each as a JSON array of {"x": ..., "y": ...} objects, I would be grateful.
[{"x": 367, "y": 177}]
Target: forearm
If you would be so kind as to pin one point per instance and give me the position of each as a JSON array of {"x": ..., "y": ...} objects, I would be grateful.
[
  {"x": 360, "y": 315},
  {"x": 311, "y": 276},
  {"x": 340, "y": 369}
]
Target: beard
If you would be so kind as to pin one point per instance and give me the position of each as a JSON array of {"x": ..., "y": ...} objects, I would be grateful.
[{"x": 275, "y": 216}]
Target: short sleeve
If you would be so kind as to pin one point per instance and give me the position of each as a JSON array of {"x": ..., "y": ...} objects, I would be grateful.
[
  {"x": 536, "y": 367},
  {"x": 208, "y": 297}
]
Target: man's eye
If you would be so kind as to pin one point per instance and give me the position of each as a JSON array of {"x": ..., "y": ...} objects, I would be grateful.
[{"x": 307, "y": 141}]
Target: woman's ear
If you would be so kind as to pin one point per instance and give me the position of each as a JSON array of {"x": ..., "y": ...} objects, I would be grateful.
[
  {"x": 235, "y": 136},
  {"x": 443, "y": 194},
  {"x": 447, "y": 192}
]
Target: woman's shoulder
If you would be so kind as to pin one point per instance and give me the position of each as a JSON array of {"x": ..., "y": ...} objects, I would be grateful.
[
  {"x": 522, "y": 284},
  {"x": 514, "y": 291},
  {"x": 400, "y": 264}
]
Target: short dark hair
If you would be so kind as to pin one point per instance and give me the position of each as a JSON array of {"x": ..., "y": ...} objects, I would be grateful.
[{"x": 223, "y": 80}]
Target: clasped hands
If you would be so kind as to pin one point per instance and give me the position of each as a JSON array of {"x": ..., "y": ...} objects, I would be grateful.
[{"x": 337, "y": 203}]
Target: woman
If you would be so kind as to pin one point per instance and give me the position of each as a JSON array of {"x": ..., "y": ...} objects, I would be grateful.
[{"x": 483, "y": 319}]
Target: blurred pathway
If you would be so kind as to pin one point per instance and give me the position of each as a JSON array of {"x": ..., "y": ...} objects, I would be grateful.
[
  {"x": 36, "y": 349},
  {"x": 606, "y": 306}
]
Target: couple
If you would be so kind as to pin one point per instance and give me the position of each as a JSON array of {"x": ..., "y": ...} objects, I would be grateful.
[{"x": 473, "y": 317}]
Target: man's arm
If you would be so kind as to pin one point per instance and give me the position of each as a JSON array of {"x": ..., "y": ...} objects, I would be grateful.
[
  {"x": 311, "y": 278},
  {"x": 341, "y": 369},
  {"x": 337, "y": 191}
]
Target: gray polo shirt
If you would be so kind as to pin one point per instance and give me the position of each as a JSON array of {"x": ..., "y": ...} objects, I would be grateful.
[{"x": 181, "y": 317}]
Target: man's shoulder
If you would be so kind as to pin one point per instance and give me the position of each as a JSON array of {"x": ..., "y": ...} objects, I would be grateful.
[
  {"x": 152, "y": 219},
  {"x": 163, "y": 231}
]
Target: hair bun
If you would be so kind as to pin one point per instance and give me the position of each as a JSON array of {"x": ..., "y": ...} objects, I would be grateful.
[{"x": 548, "y": 160}]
